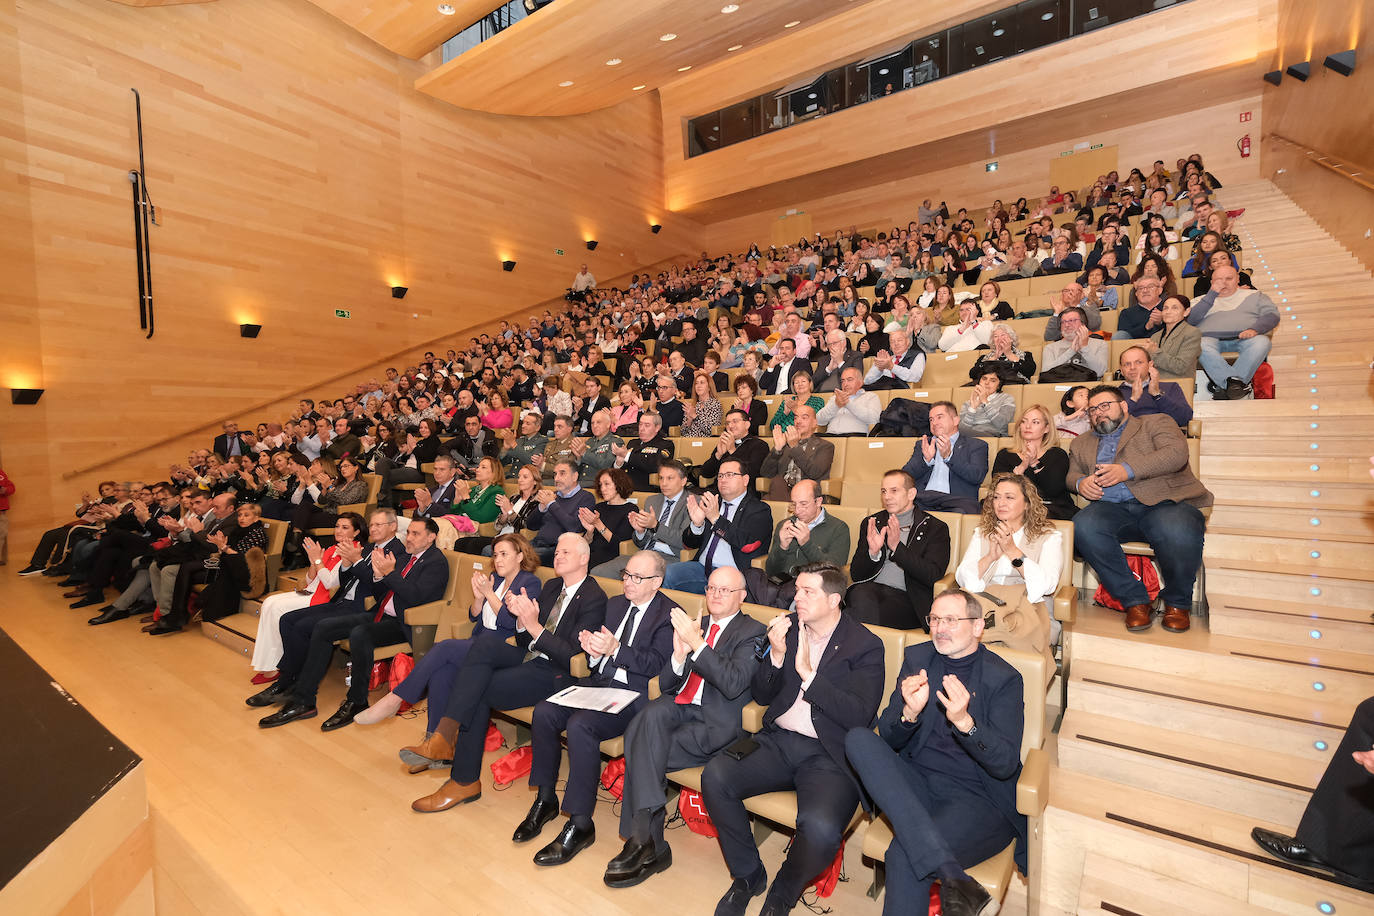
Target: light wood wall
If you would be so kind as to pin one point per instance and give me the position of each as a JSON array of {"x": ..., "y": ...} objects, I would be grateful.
[
  {"x": 295, "y": 171},
  {"x": 1329, "y": 113},
  {"x": 1022, "y": 173},
  {"x": 1193, "y": 38}
]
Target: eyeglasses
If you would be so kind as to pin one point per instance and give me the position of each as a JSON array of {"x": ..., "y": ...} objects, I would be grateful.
[
  {"x": 948, "y": 622},
  {"x": 729, "y": 474},
  {"x": 631, "y": 577},
  {"x": 1102, "y": 408},
  {"x": 721, "y": 590}
]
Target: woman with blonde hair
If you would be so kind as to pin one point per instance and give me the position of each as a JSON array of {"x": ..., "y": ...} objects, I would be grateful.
[
  {"x": 1035, "y": 454},
  {"x": 701, "y": 412}
]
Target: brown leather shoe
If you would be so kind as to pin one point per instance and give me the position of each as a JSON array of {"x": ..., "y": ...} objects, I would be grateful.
[
  {"x": 450, "y": 794},
  {"x": 1139, "y": 618},
  {"x": 1176, "y": 619},
  {"x": 435, "y": 749}
]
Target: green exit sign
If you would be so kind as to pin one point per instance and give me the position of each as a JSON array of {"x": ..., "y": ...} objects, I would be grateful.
[
  {"x": 342, "y": 313},
  {"x": 558, "y": 251},
  {"x": 990, "y": 167},
  {"x": 1096, "y": 146}
]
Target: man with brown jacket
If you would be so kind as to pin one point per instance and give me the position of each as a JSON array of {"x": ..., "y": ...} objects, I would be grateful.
[{"x": 1134, "y": 473}]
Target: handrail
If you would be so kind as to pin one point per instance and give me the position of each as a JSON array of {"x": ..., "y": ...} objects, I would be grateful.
[
  {"x": 1330, "y": 163},
  {"x": 352, "y": 373}
]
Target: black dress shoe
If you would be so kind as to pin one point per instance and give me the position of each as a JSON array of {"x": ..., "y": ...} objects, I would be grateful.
[
  {"x": 966, "y": 897},
  {"x": 541, "y": 812},
  {"x": 72, "y": 582},
  {"x": 288, "y": 713},
  {"x": 162, "y": 629},
  {"x": 108, "y": 614},
  {"x": 741, "y": 891},
  {"x": 342, "y": 716},
  {"x": 1288, "y": 848},
  {"x": 273, "y": 694},
  {"x": 629, "y": 857},
  {"x": 570, "y": 841},
  {"x": 647, "y": 863},
  {"x": 149, "y": 618},
  {"x": 88, "y": 601}
]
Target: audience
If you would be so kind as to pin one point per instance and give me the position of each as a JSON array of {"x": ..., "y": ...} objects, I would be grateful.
[
  {"x": 948, "y": 467},
  {"x": 736, "y": 443},
  {"x": 1077, "y": 356},
  {"x": 799, "y": 453},
  {"x": 1232, "y": 320},
  {"x": 1036, "y": 455},
  {"x": 988, "y": 409},
  {"x": 1145, "y": 393},
  {"x": 641, "y": 457},
  {"x": 728, "y": 528},
  {"x": 851, "y": 410},
  {"x": 902, "y": 552},
  {"x": 808, "y": 535}
]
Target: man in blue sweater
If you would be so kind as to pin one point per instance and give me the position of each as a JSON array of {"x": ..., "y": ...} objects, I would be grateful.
[
  {"x": 1232, "y": 320},
  {"x": 557, "y": 512},
  {"x": 1145, "y": 393}
]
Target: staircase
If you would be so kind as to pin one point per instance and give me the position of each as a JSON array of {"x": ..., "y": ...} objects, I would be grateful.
[{"x": 1172, "y": 746}]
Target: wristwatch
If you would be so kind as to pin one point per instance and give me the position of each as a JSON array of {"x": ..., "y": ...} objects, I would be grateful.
[{"x": 1018, "y": 561}]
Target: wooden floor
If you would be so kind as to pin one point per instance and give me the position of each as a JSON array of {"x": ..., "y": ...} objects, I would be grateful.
[{"x": 297, "y": 821}]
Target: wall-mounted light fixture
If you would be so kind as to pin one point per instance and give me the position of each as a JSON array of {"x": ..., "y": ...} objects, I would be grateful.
[
  {"x": 250, "y": 330},
  {"x": 1274, "y": 77},
  {"x": 1343, "y": 63},
  {"x": 399, "y": 292},
  {"x": 591, "y": 244},
  {"x": 25, "y": 395},
  {"x": 1300, "y": 72},
  {"x": 508, "y": 266},
  {"x": 655, "y": 228}
]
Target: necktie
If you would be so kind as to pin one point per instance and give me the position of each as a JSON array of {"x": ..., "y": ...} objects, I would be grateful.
[
  {"x": 688, "y": 693},
  {"x": 559, "y": 606},
  {"x": 713, "y": 541},
  {"x": 386, "y": 602},
  {"x": 627, "y": 632}
]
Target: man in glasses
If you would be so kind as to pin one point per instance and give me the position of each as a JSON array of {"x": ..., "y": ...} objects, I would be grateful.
[
  {"x": 1134, "y": 473},
  {"x": 704, "y": 687},
  {"x": 629, "y": 648},
  {"x": 729, "y": 529},
  {"x": 944, "y": 762}
]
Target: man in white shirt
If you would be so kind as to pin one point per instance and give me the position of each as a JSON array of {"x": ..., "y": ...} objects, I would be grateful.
[
  {"x": 583, "y": 281},
  {"x": 704, "y": 687},
  {"x": 851, "y": 411},
  {"x": 898, "y": 367}
]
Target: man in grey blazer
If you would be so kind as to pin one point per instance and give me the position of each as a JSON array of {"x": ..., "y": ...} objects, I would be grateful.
[
  {"x": 704, "y": 686},
  {"x": 660, "y": 523}
]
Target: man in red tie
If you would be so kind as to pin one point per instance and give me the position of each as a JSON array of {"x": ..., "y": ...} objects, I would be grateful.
[
  {"x": 704, "y": 686},
  {"x": 398, "y": 583}
]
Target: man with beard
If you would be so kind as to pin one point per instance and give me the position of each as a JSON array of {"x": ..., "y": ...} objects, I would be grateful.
[{"x": 1134, "y": 473}]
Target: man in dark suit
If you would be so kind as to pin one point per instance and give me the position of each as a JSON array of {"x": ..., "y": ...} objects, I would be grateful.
[
  {"x": 232, "y": 442},
  {"x": 522, "y": 671},
  {"x": 669, "y": 406},
  {"x": 901, "y": 553},
  {"x": 630, "y": 648},
  {"x": 473, "y": 444},
  {"x": 730, "y": 529},
  {"x": 797, "y": 454},
  {"x": 398, "y": 582},
  {"x": 823, "y": 676},
  {"x": 658, "y": 526},
  {"x": 437, "y": 501},
  {"x": 947, "y": 467},
  {"x": 179, "y": 566},
  {"x": 735, "y": 442},
  {"x": 592, "y": 401},
  {"x": 833, "y": 360},
  {"x": 778, "y": 378},
  {"x": 944, "y": 763},
  {"x": 1336, "y": 832},
  {"x": 641, "y": 457},
  {"x": 704, "y": 687}
]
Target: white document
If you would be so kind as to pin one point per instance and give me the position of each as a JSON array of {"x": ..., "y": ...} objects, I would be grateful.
[{"x": 601, "y": 699}]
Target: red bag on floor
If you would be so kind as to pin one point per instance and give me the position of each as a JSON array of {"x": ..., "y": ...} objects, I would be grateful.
[
  {"x": 613, "y": 777},
  {"x": 494, "y": 737},
  {"x": 1142, "y": 569},
  {"x": 512, "y": 766},
  {"x": 825, "y": 882},
  {"x": 379, "y": 675},
  {"x": 401, "y": 666},
  {"x": 693, "y": 811},
  {"x": 935, "y": 908},
  {"x": 1263, "y": 382}
]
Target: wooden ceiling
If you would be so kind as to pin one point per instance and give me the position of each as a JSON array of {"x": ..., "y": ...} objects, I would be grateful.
[
  {"x": 411, "y": 28},
  {"x": 519, "y": 71}
]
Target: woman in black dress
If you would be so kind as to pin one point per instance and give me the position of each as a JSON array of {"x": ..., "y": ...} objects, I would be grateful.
[
  {"x": 608, "y": 525},
  {"x": 1035, "y": 454}
]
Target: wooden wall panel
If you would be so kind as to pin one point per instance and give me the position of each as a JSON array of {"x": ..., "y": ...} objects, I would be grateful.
[
  {"x": 1084, "y": 71},
  {"x": 295, "y": 170},
  {"x": 1025, "y": 171}
]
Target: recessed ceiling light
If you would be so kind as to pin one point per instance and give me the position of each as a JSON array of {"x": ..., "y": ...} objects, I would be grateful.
[
  {"x": 667, "y": 36},
  {"x": 734, "y": 47},
  {"x": 446, "y": 9},
  {"x": 998, "y": 32},
  {"x": 637, "y": 88},
  {"x": 882, "y": 72},
  {"x": 1046, "y": 17},
  {"x": 730, "y": 8},
  {"x": 811, "y": 96},
  {"x": 684, "y": 69},
  {"x": 566, "y": 83},
  {"x": 788, "y": 25},
  {"x": 613, "y": 62}
]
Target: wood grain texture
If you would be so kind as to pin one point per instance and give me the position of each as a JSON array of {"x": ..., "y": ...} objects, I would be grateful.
[
  {"x": 295, "y": 171},
  {"x": 1086, "y": 72},
  {"x": 519, "y": 70},
  {"x": 411, "y": 28}
]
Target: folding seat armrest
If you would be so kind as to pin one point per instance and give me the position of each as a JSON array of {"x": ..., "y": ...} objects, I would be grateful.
[
  {"x": 1066, "y": 604},
  {"x": 425, "y": 615},
  {"x": 1033, "y": 786},
  {"x": 752, "y": 717}
]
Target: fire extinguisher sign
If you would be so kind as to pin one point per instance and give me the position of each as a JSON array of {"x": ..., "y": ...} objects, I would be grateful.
[{"x": 1244, "y": 116}]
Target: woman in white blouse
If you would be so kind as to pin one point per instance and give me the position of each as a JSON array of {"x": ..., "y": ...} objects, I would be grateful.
[
  {"x": 513, "y": 562},
  {"x": 1016, "y": 543},
  {"x": 324, "y": 578},
  {"x": 970, "y": 333}
]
